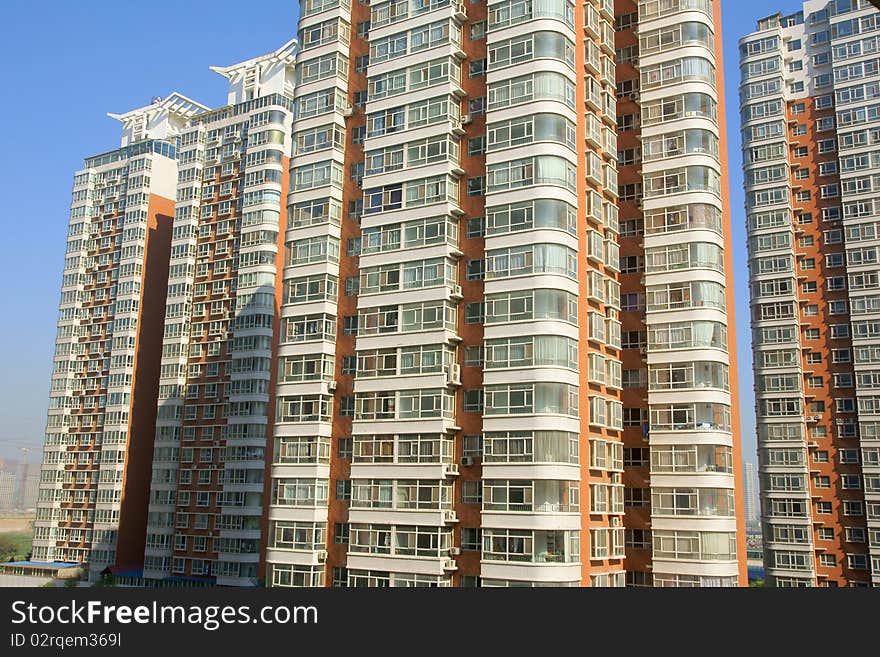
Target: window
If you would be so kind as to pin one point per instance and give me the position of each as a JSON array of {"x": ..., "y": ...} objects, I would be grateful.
[
  {"x": 478, "y": 30},
  {"x": 476, "y": 227},
  {"x": 829, "y": 191},
  {"x": 346, "y": 406},
  {"x": 854, "y": 534},
  {"x": 857, "y": 561},
  {"x": 344, "y": 448},
  {"x": 826, "y": 533},
  {"x": 827, "y": 560},
  {"x": 472, "y": 492},
  {"x": 473, "y": 401},
  {"x": 637, "y": 539},
  {"x": 634, "y": 378},
  {"x": 849, "y": 455},
  {"x": 833, "y": 236},
  {"x": 473, "y": 356},
  {"x": 823, "y": 508},
  {"x": 343, "y": 490},
  {"x": 477, "y": 145},
  {"x": 837, "y": 307},
  {"x": 349, "y": 365},
  {"x": 477, "y": 106},
  {"x": 636, "y": 457},
  {"x": 350, "y": 325},
  {"x": 341, "y": 533},
  {"x": 474, "y": 313},
  {"x": 850, "y": 481},
  {"x": 472, "y": 445},
  {"x": 477, "y": 68},
  {"x": 470, "y": 539},
  {"x": 476, "y": 186},
  {"x": 340, "y": 577},
  {"x": 636, "y": 497},
  {"x": 476, "y": 270}
]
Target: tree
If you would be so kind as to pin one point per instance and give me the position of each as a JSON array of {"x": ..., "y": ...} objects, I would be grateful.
[{"x": 8, "y": 549}]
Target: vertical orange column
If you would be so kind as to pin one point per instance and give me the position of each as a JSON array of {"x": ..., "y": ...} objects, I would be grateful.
[{"x": 145, "y": 385}]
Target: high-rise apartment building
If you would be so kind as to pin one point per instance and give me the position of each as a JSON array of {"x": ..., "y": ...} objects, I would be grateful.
[
  {"x": 457, "y": 403},
  {"x": 751, "y": 494},
  {"x": 810, "y": 136},
  {"x": 417, "y": 333},
  {"x": 215, "y": 401},
  {"x": 683, "y": 472},
  {"x": 95, "y": 476}
]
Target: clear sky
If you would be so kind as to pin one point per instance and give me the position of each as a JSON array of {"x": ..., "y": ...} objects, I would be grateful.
[{"x": 69, "y": 63}]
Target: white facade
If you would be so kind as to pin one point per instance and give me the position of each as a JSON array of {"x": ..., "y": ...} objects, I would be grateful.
[{"x": 693, "y": 515}]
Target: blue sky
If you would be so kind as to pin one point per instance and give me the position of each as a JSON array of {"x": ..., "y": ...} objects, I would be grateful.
[{"x": 69, "y": 63}]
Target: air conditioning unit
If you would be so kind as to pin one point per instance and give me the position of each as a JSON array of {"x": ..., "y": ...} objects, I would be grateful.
[
  {"x": 453, "y": 374},
  {"x": 615, "y": 521},
  {"x": 467, "y": 118},
  {"x": 467, "y": 461},
  {"x": 455, "y": 551},
  {"x": 331, "y": 385},
  {"x": 321, "y": 555},
  {"x": 348, "y": 111}
]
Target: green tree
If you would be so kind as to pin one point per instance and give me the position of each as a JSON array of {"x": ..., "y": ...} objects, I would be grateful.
[{"x": 8, "y": 549}]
